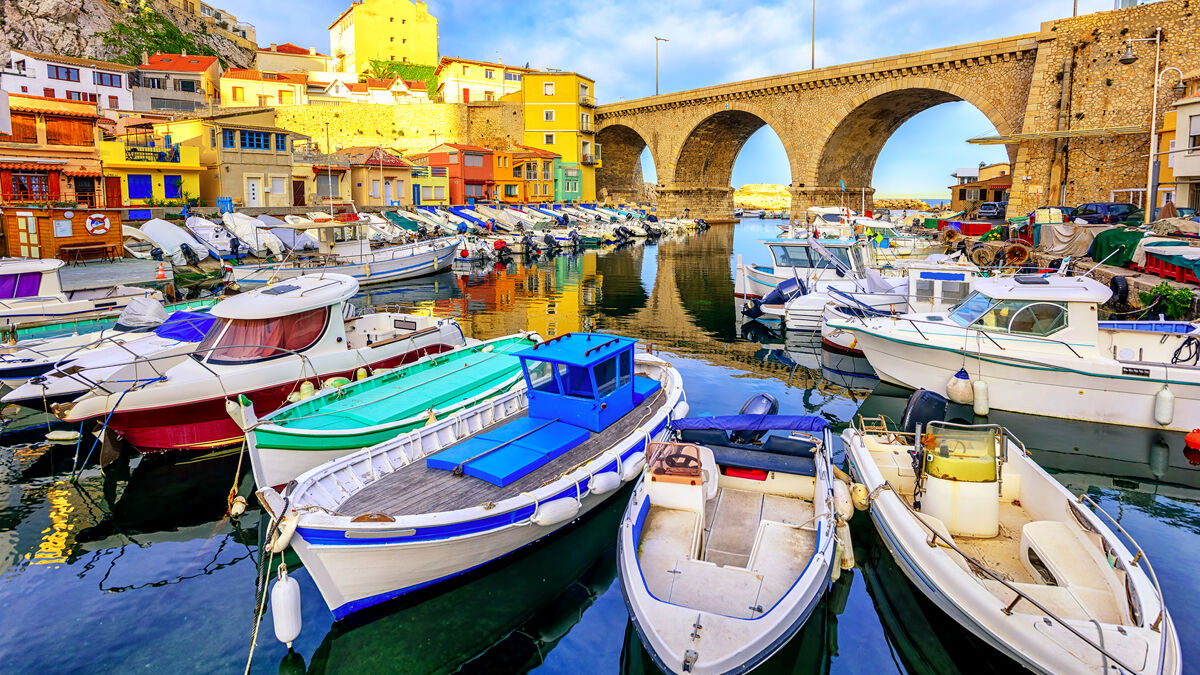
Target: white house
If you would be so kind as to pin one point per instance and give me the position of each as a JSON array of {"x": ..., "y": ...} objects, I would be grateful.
[{"x": 101, "y": 82}]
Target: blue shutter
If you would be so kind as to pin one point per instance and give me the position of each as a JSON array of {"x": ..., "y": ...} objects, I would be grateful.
[
  {"x": 139, "y": 186},
  {"x": 173, "y": 186}
]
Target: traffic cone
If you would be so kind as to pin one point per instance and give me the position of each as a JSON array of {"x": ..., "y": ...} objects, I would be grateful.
[{"x": 162, "y": 274}]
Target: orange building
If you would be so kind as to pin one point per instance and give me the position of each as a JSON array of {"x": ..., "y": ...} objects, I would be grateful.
[
  {"x": 536, "y": 168},
  {"x": 52, "y": 153}
]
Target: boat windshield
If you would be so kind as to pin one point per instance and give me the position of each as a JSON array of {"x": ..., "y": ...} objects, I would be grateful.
[
  {"x": 971, "y": 308},
  {"x": 1025, "y": 317},
  {"x": 800, "y": 255},
  {"x": 240, "y": 341}
]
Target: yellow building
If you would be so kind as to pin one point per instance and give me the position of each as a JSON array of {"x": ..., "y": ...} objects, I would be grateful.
[
  {"x": 378, "y": 177},
  {"x": 383, "y": 30},
  {"x": 431, "y": 186},
  {"x": 560, "y": 117},
  {"x": 537, "y": 168},
  {"x": 151, "y": 168},
  {"x": 464, "y": 80},
  {"x": 242, "y": 88}
]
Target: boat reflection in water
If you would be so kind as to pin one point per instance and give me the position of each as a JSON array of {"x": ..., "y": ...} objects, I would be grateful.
[
  {"x": 503, "y": 618},
  {"x": 811, "y": 650}
]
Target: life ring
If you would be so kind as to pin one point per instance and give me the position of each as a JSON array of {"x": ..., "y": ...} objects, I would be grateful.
[{"x": 97, "y": 224}]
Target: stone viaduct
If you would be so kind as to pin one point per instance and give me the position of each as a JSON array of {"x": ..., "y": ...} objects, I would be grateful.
[{"x": 833, "y": 122}]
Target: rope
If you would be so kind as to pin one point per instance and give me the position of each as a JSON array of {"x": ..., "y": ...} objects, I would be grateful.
[
  {"x": 263, "y": 570},
  {"x": 237, "y": 474}
]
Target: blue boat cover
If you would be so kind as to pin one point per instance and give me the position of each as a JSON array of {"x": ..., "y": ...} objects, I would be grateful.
[
  {"x": 186, "y": 326},
  {"x": 539, "y": 442},
  {"x": 753, "y": 423}
]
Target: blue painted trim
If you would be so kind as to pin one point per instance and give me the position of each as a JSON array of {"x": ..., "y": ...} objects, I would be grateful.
[{"x": 943, "y": 276}]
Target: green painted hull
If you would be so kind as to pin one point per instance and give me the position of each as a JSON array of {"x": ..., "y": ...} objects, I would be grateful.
[{"x": 380, "y": 408}]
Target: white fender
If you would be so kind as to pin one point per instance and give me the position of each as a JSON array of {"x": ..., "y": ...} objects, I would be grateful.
[
  {"x": 285, "y": 608},
  {"x": 847, "y": 547},
  {"x": 286, "y": 529},
  {"x": 632, "y": 466},
  {"x": 958, "y": 388},
  {"x": 1164, "y": 406},
  {"x": 242, "y": 413},
  {"x": 980, "y": 390},
  {"x": 842, "y": 501},
  {"x": 604, "y": 483},
  {"x": 555, "y": 511}
]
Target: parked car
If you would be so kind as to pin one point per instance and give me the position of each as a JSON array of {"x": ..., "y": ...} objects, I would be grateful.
[
  {"x": 1104, "y": 212},
  {"x": 992, "y": 210},
  {"x": 1181, "y": 211}
]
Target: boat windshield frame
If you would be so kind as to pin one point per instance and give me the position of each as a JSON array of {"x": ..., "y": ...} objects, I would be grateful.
[
  {"x": 968, "y": 310},
  {"x": 815, "y": 260}
]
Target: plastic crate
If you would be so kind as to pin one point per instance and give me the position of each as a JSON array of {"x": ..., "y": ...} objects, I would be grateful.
[
  {"x": 973, "y": 229},
  {"x": 1166, "y": 270}
]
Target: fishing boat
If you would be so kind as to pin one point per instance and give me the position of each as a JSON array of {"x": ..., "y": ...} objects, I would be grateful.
[
  {"x": 269, "y": 343},
  {"x": 116, "y": 356},
  {"x": 338, "y": 421},
  {"x": 31, "y": 293},
  {"x": 795, "y": 259},
  {"x": 728, "y": 543},
  {"x": 995, "y": 542},
  {"x": 1035, "y": 344},
  {"x": 457, "y": 494},
  {"x": 343, "y": 251}
]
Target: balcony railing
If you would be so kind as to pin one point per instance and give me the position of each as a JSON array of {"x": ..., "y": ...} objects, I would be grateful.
[
  {"x": 588, "y": 160},
  {"x": 429, "y": 172},
  {"x": 587, "y": 128},
  {"x": 587, "y": 101},
  {"x": 324, "y": 159},
  {"x": 43, "y": 198},
  {"x": 136, "y": 152}
]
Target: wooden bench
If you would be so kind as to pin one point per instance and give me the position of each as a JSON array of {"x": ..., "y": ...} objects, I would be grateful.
[{"x": 77, "y": 253}]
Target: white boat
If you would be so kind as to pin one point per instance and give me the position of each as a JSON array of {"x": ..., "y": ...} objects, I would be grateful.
[
  {"x": 1036, "y": 345},
  {"x": 268, "y": 343},
  {"x": 459, "y": 493},
  {"x": 31, "y": 294},
  {"x": 995, "y": 542},
  {"x": 135, "y": 243},
  {"x": 344, "y": 251},
  {"x": 728, "y": 542},
  {"x": 214, "y": 237},
  {"x": 795, "y": 259},
  {"x": 253, "y": 235},
  {"x": 172, "y": 239}
]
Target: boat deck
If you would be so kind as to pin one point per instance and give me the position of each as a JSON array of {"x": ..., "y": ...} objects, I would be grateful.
[{"x": 417, "y": 489}]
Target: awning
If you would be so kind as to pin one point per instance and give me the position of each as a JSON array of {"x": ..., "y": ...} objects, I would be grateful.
[
  {"x": 49, "y": 108},
  {"x": 1010, "y": 139},
  {"x": 26, "y": 166},
  {"x": 82, "y": 173},
  {"x": 319, "y": 169}
]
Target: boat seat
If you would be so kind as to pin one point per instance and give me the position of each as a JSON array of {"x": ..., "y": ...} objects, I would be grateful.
[
  {"x": 667, "y": 536},
  {"x": 733, "y": 527},
  {"x": 709, "y": 437},
  {"x": 728, "y": 591},
  {"x": 788, "y": 445},
  {"x": 765, "y": 461},
  {"x": 780, "y": 557},
  {"x": 1066, "y": 554},
  {"x": 644, "y": 388}
]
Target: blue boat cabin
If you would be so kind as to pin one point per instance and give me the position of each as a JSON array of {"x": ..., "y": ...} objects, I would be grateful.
[{"x": 578, "y": 383}]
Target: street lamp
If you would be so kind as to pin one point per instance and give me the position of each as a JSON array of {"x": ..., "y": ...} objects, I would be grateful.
[
  {"x": 1152, "y": 164},
  {"x": 656, "y": 41}
]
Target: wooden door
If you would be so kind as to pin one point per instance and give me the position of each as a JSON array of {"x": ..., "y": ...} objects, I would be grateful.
[
  {"x": 112, "y": 192},
  {"x": 297, "y": 193}
]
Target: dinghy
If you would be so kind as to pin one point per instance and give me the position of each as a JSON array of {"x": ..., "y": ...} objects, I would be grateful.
[
  {"x": 454, "y": 495},
  {"x": 215, "y": 238},
  {"x": 729, "y": 540},
  {"x": 174, "y": 241},
  {"x": 338, "y": 421},
  {"x": 995, "y": 542},
  {"x": 269, "y": 342},
  {"x": 31, "y": 293}
]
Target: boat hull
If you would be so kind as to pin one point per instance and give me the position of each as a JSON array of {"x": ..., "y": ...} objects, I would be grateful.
[{"x": 380, "y": 268}]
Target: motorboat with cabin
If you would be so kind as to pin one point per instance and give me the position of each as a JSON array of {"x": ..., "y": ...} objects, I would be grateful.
[
  {"x": 473, "y": 487},
  {"x": 272, "y": 341},
  {"x": 1014, "y": 557},
  {"x": 1036, "y": 344},
  {"x": 31, "y": 293},
  {"x": 337, "y": 421},
  {"x": 729, "y": 541},
  {"x": 795, "y": 259}
]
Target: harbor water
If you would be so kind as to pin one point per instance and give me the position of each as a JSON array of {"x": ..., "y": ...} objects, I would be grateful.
[{"x": 134, "y": 566}]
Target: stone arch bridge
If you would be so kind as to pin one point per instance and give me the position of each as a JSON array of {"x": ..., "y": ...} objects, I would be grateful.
[{"x": 833, "y": 122}]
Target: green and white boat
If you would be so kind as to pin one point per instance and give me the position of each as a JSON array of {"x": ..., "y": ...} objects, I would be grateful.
[{"x": 339, "y": 420}]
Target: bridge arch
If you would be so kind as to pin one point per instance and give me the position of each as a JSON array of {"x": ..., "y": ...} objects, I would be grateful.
[
  {"x": 849, "y": 147},
  {"x": 621, "y": 178},
  {"x": 709, "y": 150}
]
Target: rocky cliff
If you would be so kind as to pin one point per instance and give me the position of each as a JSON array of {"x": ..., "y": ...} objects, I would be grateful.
[{"x": 77, "y": 27}]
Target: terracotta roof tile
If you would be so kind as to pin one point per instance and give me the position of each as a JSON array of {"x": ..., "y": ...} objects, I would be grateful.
[
  {"x": 289, "y": 48},
  {"x": 179, "y": 63},
  {"x": 265, "y": 76}
]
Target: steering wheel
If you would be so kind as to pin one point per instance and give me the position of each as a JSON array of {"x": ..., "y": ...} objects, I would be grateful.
[
  {"x": 945, "y": 451},
  {"x": 681, "y": 460}
]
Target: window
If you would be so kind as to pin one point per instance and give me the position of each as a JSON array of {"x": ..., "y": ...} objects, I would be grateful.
[
  {"x": 139, "y": 186},
  {"x": 239, "y": 94},
  {"x": 114, "y": 102},
  {"x": 466, "y": 70},
  {"x": 212, "y": 138},
  {"x": 391, "y": 39},
  {"x": 106, "y": 79},
  {"x": 227, "y": 139},
  {"x": 548, "y": 88},
  {"x": 69, "y": 131},
  {"x": 540, "y": 375},
  {"x": 173, "y": 187},
  {"x": 426, "y": 192},
  {"x": 264, "y": 100},
  {"x": 439, "y": 192},
  {"x": 510, "y": 190},
  {"x": 187, "y": 85},
  {"x": 255, "y": 140},
  {"x": 62, "y": 73},
  {"x": 474, "y": 190},
  {"x": 452, "y": 157},
  {"x": 74, "y": 95},
  {"x": 277, "y": 185},
  {"x": 547, "y": 170},
  {"x": 1018, "y": 316},
  {"x": 1171, "y": 156},
  {"x": 972, "y": 194},
  {"x": 472, "y": 159},
  {"x": 547, "y": 115},
  {"x": 606, "y": 377},
  {"x": 328, "y": 185},
  {"x": 488, "y": 73},
  {"x": 48, "y": 93},
  {"x": 24, "y": 129},
  {"x": 489, "y": 96},
  {"x": 286, "y": 97},
  {"x": 31, "y": 185},
  {"x": 585, "y": 121},
  {"x": 374, "y": 188},
  {"x": 548, "y": 139},
  {"x": 1194, "y": 133},
  {"x": 153, "y": 83},
  {"x": 251, "y": 340},
  {"x": 25, "y": 285},
  {"x": 281, "y": 142},
  {"x": 512, "y": 77}
]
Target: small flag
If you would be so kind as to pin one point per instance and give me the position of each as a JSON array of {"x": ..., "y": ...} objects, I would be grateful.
[{"x": 843, "y": 182}]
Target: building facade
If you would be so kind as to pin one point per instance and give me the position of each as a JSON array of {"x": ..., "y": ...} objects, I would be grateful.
[
  {"x": 536, "y": 167},
  {"x": 257, "y": 88},
  {"x": 383, "y": 30},
  {"x": 464, "y": 81},
  {"x": 51, "y": 154},
  {"x": 290, "y": 58},
  {"x": 430, "y": 185},
  {"x": 559, "y": 116},
  {"x": 470, "y": 168},
  {"x": 220, "y": 22},
  {"x": 378, "y": 177},
  {"x": 103, "y": 83},
  {"x": 176, "y": 83},
  {"x": 142, "y": 168}
]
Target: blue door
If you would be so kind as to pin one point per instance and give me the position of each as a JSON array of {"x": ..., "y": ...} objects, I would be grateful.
[{"x": 416, "y": 195}]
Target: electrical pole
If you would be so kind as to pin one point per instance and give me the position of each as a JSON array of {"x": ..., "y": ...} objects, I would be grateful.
[{"x": 813, "y": 66}]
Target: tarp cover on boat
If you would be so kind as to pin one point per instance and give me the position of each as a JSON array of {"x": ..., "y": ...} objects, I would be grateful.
[
  {"x": 168, "y": 237},
  {"x": 186, "y": 326},
  {"x": 142, "y": 311},
  {"x": 753, "y": 423}
]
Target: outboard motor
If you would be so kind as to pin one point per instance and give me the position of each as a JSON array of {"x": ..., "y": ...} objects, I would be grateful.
[
  {"x": 759, "y": 404},
  {"x": 576, "y": 239},
  {"x": 156, "y": 254},
  {"x": 530, "y": 246},
  {"x": 502, "y": 249},
  {"x": 652, "y": 218},
  {"x": 462, "y": 228},
  {"x": 548, "y": 240},
  {"x": 624, "y": 232},
  {"x": 786, "y": 290},
  {"x": 702, "y": 223},
  {"x": 189, "y": 255},
  {"x": 923, "y": 407},
  {"x": 235, "y": 245}
]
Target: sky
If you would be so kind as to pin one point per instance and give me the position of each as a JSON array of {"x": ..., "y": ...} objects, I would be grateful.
[{"x": 717, "y": 42}]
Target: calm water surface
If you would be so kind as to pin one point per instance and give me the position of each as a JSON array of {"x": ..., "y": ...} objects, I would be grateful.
[{"x": 134, "y": 568}]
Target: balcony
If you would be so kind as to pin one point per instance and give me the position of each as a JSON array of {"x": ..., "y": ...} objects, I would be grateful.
[
  {"x": 588, "y": 160},
  {"x": 587, "y": 128},
  {"x": 429, "y": 172},
  {"x": 587, "y": 101},
  {"x": 138, "y": 152}
]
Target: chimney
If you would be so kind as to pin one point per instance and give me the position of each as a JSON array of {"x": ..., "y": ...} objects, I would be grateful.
[
  {"x": 312, "y": 51},
  {"x": 183, "y": 52},
  {"x": 274, "y": 47},
  {"x": 145, "y": 58}
]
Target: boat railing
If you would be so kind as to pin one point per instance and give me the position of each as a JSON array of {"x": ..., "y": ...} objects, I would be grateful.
[
  {"x": 978, "y": 333},
  {"x": 1139, "y": 557},
  {"x": 932, "y": 541}
]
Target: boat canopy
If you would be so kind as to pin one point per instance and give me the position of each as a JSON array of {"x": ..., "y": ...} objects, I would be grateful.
[
  {"x": 186, "y": 326},
  {"x": 292, "y": 296},
  {"x": 23, "y": 265},
  {"x": 753, "y": 423},
  {"x": 1050, "y": 288}
]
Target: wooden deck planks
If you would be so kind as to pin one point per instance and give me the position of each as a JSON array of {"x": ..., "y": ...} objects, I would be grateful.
[{"x": 416, "y": 489}]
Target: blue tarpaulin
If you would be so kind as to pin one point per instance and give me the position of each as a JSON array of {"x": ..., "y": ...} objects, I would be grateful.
[
  {"x": 186, "y": 326},
  {"x": 753, "y": 423}
]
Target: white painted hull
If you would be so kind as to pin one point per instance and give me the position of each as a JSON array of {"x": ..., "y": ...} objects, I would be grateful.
[
  {"x": 20, "y": 312},
  {"x": 383, "y": 265}
]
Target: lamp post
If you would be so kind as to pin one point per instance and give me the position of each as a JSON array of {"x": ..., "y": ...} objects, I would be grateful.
[
  {"x": 329, "y": 167},
  {"x": 813, "y": 64},
  {"x": 1152, "y": 164},
  {"x": 656, "y": 41}
]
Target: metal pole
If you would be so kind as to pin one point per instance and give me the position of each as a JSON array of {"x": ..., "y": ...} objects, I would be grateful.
[
  {"x": 813, "y": 66},
  {"x": 329, "y": 168},
  {"x": 656, "y": 41},
  {"x": 1151, "y": 198}
]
